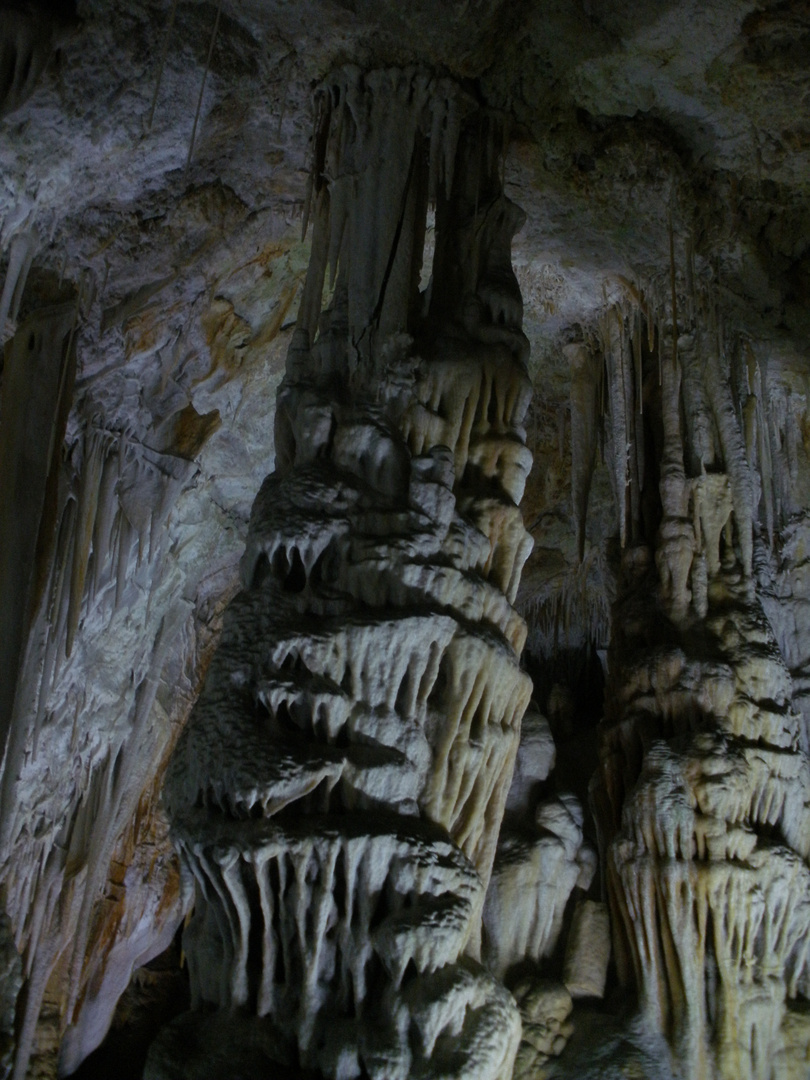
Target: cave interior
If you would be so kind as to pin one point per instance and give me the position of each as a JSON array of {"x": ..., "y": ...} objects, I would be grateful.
[{"x": 405, "y": 539}]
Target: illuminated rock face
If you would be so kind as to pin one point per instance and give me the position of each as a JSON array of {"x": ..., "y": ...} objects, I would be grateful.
[{"x": 338, "y": 792}]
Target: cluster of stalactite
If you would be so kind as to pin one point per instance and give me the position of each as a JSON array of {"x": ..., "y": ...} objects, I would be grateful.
[
  {"x": 703, "y": 793},
  {"x": 338, "y": 792}
]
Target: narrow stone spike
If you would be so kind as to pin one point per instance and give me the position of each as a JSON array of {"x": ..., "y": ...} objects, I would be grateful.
[
  {"x": 164, "y": 52},
  {"x": 202, "y": 88}
]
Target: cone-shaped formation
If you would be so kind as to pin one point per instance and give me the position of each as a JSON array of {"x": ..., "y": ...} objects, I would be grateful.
[{"x": 338, "y": 792}]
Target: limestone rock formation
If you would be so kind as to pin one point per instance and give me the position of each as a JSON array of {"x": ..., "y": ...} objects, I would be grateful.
[
  {"x": 702, "y": 792},
  {"x": 587, "y": 952},
  {"x": 545, "y": 1007},
  {"x": 536, "y": 870},
  {"x": 543, "y": 867},
  {"x": 11, "y": 977},
  {"x": 154, "y": 180},
  {"x": 338, "y": 791}
]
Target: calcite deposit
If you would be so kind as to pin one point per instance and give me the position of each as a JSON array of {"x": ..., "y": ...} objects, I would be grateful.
[
  {"x": 702, "y": 792},
  {"x": 241, "y": 239},
  {"x": 338, "y": 791}
]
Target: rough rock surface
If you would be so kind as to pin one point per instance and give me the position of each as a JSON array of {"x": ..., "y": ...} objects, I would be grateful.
[
  {"x": 702, "y": 790},
  {"x": 338, "y": 790},
  {"x": 153, "y": 179}
]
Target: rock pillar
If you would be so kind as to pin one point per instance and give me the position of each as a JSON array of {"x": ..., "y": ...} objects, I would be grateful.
[{"x": 338, "y": 792}]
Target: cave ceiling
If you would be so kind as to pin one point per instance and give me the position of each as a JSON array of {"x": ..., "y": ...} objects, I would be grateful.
[{"x": 628, "y": 124}]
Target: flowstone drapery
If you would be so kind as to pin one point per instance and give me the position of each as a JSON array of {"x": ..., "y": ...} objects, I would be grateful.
[
  {"x": 338, "y": 791},
  {"x": 703, "y": 794}
]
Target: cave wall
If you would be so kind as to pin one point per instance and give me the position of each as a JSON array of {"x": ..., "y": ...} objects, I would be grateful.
[{"x": 156, "y": 161}]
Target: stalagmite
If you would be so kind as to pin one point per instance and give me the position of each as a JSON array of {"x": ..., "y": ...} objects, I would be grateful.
[
  {"x": 703, "y": 795},
  {"x": 338, "y": 792},
  {"x": 378, "y": 849},
  {"x": 533, "y": 878},
  {"x": 587, "y": 953},
  {"x": 545, "y": 1007}
]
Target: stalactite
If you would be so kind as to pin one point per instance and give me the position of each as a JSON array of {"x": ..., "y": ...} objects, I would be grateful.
[
  {"x": 700, "y": 442},
  {"x": 677, "y": 543},
  {"x": 765, "y": 459},
  {"x": 97, "y": 490},
  {"x": 21, "y": 255},
  {"x": 733, "y": 451},
  {"x": 702, "y": 790},
  {"x": 638, "y": 357},
  {"x": 618, "y": 443},
  {"x": 574, "y": 611},
  {"x": 164, "y": 52},
  {"x": 584, "y": 429},
  {"x": 673, "y": 290},
  {"x": 88, "y": 500},
  {"x": 202, "y": 86},
  {"x": 33, "y": 405},
  {"x": 28, "y": 37}
]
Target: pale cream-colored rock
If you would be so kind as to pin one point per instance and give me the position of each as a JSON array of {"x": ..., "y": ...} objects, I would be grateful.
[
  {"x": 536, "y": 870},
  {"x": 102, "y": 188},
  {"x": 713, "y": 509},
  {"x": 587, "y": 951},
  {"x": 701, "y": 798}
]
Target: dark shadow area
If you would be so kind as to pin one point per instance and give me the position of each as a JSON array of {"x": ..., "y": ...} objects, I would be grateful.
[{"x": 157, "y": 993}]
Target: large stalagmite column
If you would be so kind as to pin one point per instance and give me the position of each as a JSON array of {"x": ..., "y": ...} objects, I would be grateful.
[
  {"x": 338, "y": 792},
  {"x": 703, "y": 795}
]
